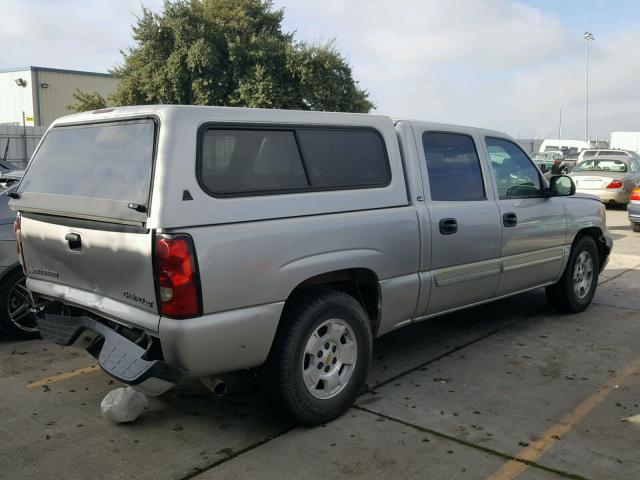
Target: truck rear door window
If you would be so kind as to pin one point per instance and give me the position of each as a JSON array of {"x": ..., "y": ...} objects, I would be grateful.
[
  {"x": 453, "y": 167},
  {"x": 254, "y": 161}
]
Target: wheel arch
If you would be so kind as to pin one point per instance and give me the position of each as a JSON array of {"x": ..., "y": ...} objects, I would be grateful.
[
  {"x": 598, "y": 236},
  {"x": 361, "y": 283}
]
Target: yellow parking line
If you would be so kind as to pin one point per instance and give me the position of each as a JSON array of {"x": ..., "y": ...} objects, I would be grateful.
[
  {"x": 533, "y": 452},
  {"x": 63, "y": 376}
]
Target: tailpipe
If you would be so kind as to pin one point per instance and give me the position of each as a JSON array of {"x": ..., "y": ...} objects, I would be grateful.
[{"x": 215, "y": 385}]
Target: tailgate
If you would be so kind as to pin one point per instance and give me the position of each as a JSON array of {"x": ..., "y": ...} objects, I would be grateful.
[{"x": 105, "y": 268}]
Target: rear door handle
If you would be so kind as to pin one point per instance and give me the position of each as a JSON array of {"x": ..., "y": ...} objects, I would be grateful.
[
  {"x": 448, "y": 226},
  {"x": 509, "y": 219},
  {"x": 74, "y": 241}
]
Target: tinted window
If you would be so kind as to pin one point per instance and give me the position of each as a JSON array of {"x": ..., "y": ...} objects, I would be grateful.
[
  {"x": 242, "y": 161},
  {"x": 613, "y": 152},
  {"x": 550, "y": 148},
  {"x": 603, "y": 165},
  {"x": 589, "y": 153},
  {"x": 514, "y": 173},
  {"x": 101, "y": 161},
  {"x": 344, "y": 158},
  {"x": 453, "y": 167}
]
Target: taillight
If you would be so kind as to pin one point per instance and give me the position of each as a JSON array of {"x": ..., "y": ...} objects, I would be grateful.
[
  {"x": 17, "y": 226},
  {"x": 177, "y": 279},
  {"x": 635, "y": 194},
  {"x": 615, "y": 184}
]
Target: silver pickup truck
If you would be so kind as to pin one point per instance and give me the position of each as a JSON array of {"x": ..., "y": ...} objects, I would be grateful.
[{"x": 175, "y": 241}]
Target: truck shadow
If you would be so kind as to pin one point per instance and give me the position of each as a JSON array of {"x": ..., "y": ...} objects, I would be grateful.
[{"x": 394, "y": 354}]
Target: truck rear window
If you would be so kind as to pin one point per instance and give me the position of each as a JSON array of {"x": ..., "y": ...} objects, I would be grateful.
[
  {"x": 262, "y": 161},
  {"x": 108, "y": 162}
]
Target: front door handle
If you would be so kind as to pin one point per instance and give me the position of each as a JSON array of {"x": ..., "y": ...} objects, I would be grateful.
[
  {"x": 509, "y": 219},
  {"x": 74, "y": 241},
  {"x": 448, "y": 226}
]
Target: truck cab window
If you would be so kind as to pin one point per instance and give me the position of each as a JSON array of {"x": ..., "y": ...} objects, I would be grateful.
[
  {"x": 453, "y": 167},
  {"x": 515, "y": 175}
]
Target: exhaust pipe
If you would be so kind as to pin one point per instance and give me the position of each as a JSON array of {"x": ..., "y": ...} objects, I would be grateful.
[{"x": 215, "y": 385}]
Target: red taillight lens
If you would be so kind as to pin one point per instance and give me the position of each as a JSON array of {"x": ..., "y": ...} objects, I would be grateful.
[
  {"x": 177, "y": 278},
  {"x": 635, "y": 194},
  {"x": 615, "y": 184}
]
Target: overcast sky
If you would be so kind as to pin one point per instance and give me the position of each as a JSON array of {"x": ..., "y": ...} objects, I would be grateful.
[{"x": 492, "y": 63}]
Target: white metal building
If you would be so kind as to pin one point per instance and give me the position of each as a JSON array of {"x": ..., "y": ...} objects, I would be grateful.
[
  {"x": 43, "y": 93},
  {"x": 625, "y": 141}
]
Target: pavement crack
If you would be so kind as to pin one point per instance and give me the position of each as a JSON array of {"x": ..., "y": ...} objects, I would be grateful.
[
  {"x": 617, "y": 275},
  {"x": 600, "y": 304},
  {"x": 199, "y": 470},
  {"x": 466, "y": 443},
  {"x": 445, "y": 354}
]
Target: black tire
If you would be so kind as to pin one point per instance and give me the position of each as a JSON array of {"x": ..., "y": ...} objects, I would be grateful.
[
  {"x": 563, "y": 295},
  {"x": 282, "y": 375},
  {"x": 635, "y": 226},
  {"x": 13, "y": 297}
]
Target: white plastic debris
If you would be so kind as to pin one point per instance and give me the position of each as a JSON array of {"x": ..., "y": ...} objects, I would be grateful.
[
  {"x": 123, "y": 405},
  {"x": 635, "y": 420}
]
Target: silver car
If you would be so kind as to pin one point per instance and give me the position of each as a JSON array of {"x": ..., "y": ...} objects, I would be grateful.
[
  {"x": 180, "y": 241},
  {"x": 611, "y": 179},
  {"x": 633, "y": 209},
  {"x": 16, "y": 318}
]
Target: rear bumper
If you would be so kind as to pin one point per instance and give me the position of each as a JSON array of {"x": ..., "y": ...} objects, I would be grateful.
[
  {"x": 608, "y": 195},
  {"x": 118, "y": 356},
  {"x": 633, "y": 209}
]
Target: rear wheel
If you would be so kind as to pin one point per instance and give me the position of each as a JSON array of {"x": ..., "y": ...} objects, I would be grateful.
[
  {"x": 16, "y": 318},
  {"x": 575, "y": 290},
  {"x": 320, "y": 357},
  {"x": 635, "y": 226}
]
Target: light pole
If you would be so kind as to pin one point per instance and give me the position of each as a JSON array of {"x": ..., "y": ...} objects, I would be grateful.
[
  {"x": 560, "y": 124},
  {"x": 588, "y": 37}
]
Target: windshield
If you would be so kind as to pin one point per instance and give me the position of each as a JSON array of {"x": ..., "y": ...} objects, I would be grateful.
[
  {"x": 105, "y": 162},
  {"x": 601, "y": 166}
]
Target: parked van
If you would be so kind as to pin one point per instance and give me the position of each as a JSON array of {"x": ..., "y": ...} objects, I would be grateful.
[{"x": 178, "y": 241}]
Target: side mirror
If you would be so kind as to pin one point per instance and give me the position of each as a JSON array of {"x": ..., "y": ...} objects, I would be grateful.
[{"x": 562, "y": 186}]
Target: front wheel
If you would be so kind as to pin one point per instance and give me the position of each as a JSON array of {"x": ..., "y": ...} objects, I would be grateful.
[
  {"x": 635, "y": 226},
  {"x": 575, "y": 290},
  {"x": 320, "y": 357}
]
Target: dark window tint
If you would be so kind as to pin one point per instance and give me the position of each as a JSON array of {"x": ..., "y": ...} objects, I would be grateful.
[
  {"x": 514, "y": 173},
  {"x": 589, "y": 153},
  {"x": 344, "y": 158},
  {"x": 453, "y": 167},
  {"x": 101, "y": 161},
  {"x": 613, "y": 152},
  {"x": 242, "y": 161},
  {"x": 551, "y": 148}
]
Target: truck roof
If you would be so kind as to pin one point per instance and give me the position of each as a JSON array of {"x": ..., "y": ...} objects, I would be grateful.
[{"x": 258, "y": 115}]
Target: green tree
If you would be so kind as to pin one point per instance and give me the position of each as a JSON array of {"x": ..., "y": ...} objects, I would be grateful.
[
  {"x": 85, "y": 101},
  {"x": 232, "y": 53}
]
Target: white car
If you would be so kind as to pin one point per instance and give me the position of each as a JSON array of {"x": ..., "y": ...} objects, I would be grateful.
[{"x": 609, "y": 153}]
